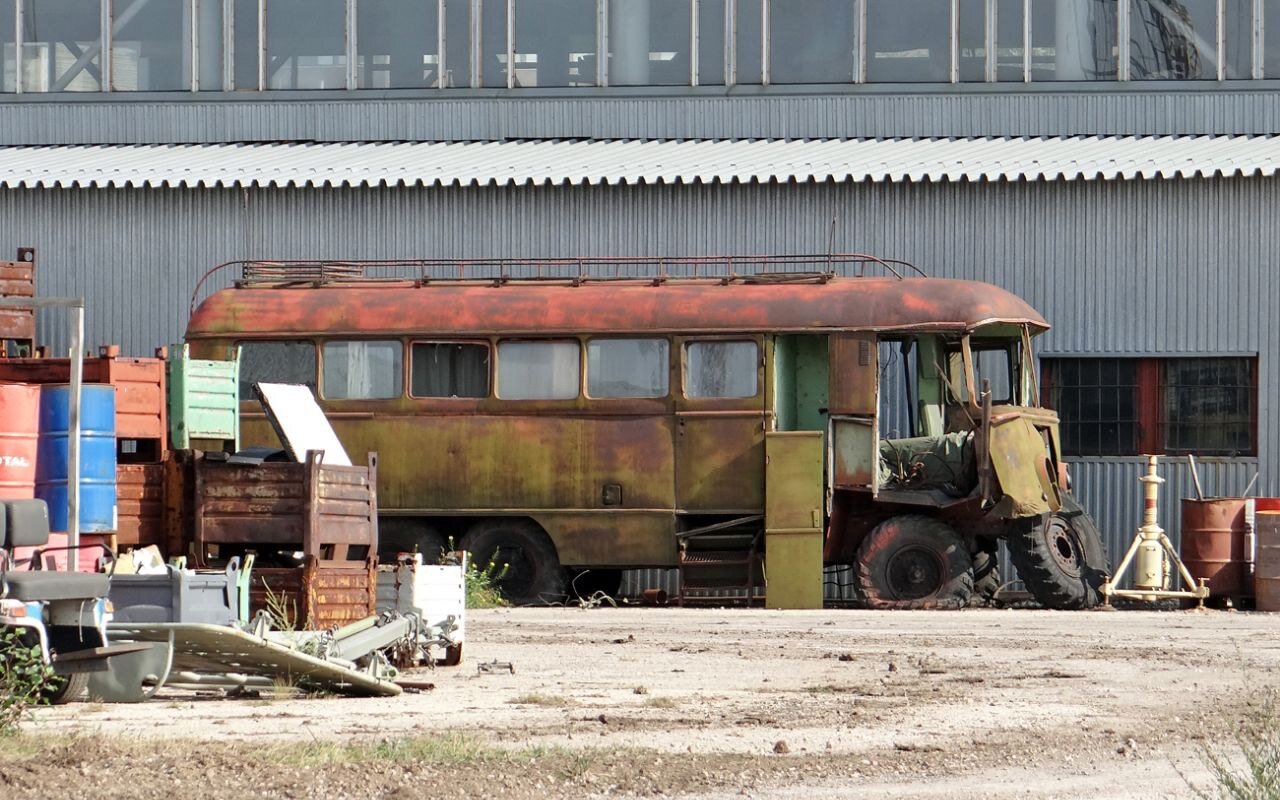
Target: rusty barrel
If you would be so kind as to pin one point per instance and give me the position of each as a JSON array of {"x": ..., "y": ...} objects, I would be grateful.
[
  {"x": 1215, "y": 544},
  {"x": 19, "y": 435},
  {"x": 1266, "y": 572}
]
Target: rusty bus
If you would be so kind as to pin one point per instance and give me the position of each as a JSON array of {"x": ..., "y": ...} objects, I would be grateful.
[{"x": 593, "y": 423}]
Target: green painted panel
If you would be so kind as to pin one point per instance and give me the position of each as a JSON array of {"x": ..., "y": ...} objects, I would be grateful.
[
  {"x": 793, "y": 519},
  {"x": 204, "y": 399}
]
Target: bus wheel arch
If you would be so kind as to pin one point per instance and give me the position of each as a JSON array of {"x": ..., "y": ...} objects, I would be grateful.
[
  {"x": 409, "y": 535},
  {"x": 914, "y": 561},
  {"x": 523, "y": 557}
]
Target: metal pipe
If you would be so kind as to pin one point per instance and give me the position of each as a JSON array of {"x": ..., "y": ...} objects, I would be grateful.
[{"x": 73, "y": 445}]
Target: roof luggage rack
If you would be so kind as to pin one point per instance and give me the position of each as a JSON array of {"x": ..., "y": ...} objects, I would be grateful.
[{"x": 744, "y": 269}]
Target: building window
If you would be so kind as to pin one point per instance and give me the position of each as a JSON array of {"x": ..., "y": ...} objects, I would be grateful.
[
  {"x": 276, "y": 362},
  {"x": 1271, "y": 44},
  {"x": 447, "y": 369},
  {"x": 1238, "y": 39},
  {"x": 8, "y": 54},
  {"x": 1133, "y": 406},
  {"x": 971, "y": 41},
  {"x": 362, "y": 370},
  {"x": 247, "y": 49},
  {"x": 908, "y": 41},
  {"x": 721, "y": 369},
  {"x": 148, "y": 42},
  {"x": 1074, "y": 40},
  {"x": 711, "y": 50},
  {"x": 306, "y": 44},
  {"x": 749, "y": 41},
  {"x": 538, "y": 370},
  {"x": 811, "y": 41},
  {"x": 649, "y": 43},
  {"x": 62, "y": 46},
  {"x": 493, "y": 42},
  {"x": 627, "y": 368},
  {"x": 1010, "y": 47},
  {"x": 397, "y": 43},
  {"x": 555, "y": 42},
  {"x": 212, "y": 49},
  {"x": 1173, "y": 40}
]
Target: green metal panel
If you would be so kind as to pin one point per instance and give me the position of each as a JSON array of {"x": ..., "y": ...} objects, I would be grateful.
[
  {"x": 204, "y": 399},
  {"x": 793, "y": 519}
]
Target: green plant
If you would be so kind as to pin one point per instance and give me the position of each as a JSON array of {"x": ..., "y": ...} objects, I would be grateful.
[
  {"x": 282, "y": 609},
  {"x": 24, "y": 677},
  {"x": 1255, "y": 773}
]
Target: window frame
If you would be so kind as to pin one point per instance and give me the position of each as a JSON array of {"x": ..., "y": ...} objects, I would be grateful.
[
  {"x": 492, "y": 370},
  {"x": 586, "y": 366},
  {"x": 238, "y": 347},
  {"x": 731, "y": 402},
  {"x": 320, "y": 377},
  {"x": 1149, "y": 401}
]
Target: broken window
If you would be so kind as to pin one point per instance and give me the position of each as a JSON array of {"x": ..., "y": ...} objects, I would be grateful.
[
  {"x": 276, "y": 362},
  {"x": 627, "y": 368},
  {"x": 362, "y": 370},
  {"x": 721, "y": 369},
  {"x": 538, "y": 370},
  {"x": 449, "y": 369}
]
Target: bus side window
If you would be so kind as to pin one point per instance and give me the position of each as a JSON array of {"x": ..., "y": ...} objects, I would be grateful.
[
  {"x": 276, "y": 362},
  {"x": 538, "y": 370},
  {"x": 449, "y": 369},
  {"x": 627, "y": 367},
  {"x": 362, "y": 370},
  {"x": 721, "y": 369}
]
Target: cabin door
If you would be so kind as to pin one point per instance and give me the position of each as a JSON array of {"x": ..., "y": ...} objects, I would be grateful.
[
  {"x": 721, "y": 417},
  {"x": 853, "y": 458}
]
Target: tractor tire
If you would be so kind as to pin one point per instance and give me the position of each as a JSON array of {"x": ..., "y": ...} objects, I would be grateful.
[
  {"x": 66, "y": 688},
  {"x": 1060, "y": 557},
  {"x": 397, "y": 536},
  {"x": 986, "y": 577},
  {"x": 526, "y": 566},
  {"x": 914, "y": 561}
]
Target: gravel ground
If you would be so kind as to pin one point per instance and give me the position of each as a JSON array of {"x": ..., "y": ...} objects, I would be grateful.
[{"x": 711, "y": 703}]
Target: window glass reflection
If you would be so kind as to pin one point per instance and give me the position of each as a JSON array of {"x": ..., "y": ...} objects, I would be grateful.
[
  {"x": 306, "y": 44},
  {"x": 246, "y": 44},
  {"x": 1271, "y": 42},
  {"x": 8, "y": 55},
  {"x": 1073, "y": 40},
  {"x": 649, "y": 42},
  {"x": 711, "y": 20},
  {"x": 750, "y": 30},
  {"x": 210, "y": 44},
  {"x": 457, "y": 43},
  {"x": 908, "y": 41},
  {"x": 556, "y": 42},
  {"x": 1173, "y": 39},
  {"x": 149, "y": 50},
  {"x": 1009, "y": 44},
  {"x": 396, "y": 42},
  {"x": 493, "y": 42},
  {"x": 1238, "y": 24},
  {"x": 972, "y": 33},
  {"x": 811, "y": 41},
  {"x": 62, "y": 46}
]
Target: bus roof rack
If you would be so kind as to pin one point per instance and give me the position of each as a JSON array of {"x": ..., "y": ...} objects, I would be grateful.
[{"x": 746, "y": 269}]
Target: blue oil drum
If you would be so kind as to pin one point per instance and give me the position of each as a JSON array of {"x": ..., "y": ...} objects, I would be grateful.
[{"x": 97, "y": 455}]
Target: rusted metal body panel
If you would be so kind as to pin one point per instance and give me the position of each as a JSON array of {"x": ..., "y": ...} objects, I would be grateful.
[
  {"x": 327, "y": 512},
  {"x": 535, "y": 308},
  {"x": 317, "y": 596},
  {"x": 720, "y": 461},
  {"x": 1214, "y": 544},
  {"x": 1020, "y": 459},
  {"x": 1266, "y": 576},
  {"x": 140, "y": 505},
  {"x": 17, "y": 325},
  {"x": 853, "y": 386},
  {"x": 139, "y": 385}
]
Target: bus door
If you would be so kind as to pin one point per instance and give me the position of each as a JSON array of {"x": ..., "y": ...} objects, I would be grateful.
[
  {"x": 854, "y": 400},
  {"x": 721, "y": 419}
]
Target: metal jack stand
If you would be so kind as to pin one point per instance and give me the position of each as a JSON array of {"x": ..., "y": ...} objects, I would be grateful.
[{"x": 1151, "y": 549}]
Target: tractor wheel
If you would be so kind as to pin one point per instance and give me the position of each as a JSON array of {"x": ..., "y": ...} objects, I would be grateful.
[
  {"x": 1060, "y": 557},
  {"x": 396, "y": 535},
  {"x": 66, "y": 688},
  {"x": 521, "y": 559},
  {"x": 914, "y": 562},
  {"x": 986, "y": 577}
]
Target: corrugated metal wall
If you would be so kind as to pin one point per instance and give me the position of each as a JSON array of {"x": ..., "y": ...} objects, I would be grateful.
[
  {"x": 1118, "y": 267},
  {"x": 791, "y": 112}
]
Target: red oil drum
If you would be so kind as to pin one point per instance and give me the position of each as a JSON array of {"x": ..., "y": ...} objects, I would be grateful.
[
  {"x": 19, "y": 433},
  {"x": 1215, "y": 544},
  {"x": 1266, "y": 573}
]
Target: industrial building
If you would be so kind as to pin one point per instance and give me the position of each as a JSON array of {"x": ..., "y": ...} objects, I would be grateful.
[{"x": 1112, "y": 161}]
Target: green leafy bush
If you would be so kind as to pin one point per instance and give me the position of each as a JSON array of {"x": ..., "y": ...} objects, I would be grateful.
[
  {"x": 24, "y": 677},
  {"x": 1252, "y": 773}
]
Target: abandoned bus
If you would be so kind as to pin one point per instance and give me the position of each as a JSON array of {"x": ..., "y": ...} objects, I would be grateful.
[{"x": 563, "y": 425}]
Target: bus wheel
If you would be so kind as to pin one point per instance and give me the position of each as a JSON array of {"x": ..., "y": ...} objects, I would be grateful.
[
  {"x": 1060, "y": 557},
  {"x": 65, "y": 688},
  {"x": 405, "y": 535},
  {"x": 521, "y": 558},
  {"x": 913, "y": 561}
]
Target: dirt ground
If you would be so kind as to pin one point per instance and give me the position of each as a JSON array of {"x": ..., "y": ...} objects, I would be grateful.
[{"x": 711, "y": 703}]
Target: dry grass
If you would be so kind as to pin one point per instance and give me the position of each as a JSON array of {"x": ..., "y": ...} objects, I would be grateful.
[{"x": 548, "y": 700}]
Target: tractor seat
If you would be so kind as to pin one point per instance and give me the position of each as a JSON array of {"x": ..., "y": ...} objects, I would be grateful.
[{"x": 31, "y": 585}]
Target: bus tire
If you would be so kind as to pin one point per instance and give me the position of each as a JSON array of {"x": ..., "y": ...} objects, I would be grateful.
[
  {"x": 522, "y": 558},
  {"x": 1060, "y": 557},
  {"x": 64, "y": 689},
  {"x": 406, "y": 535},
  {"x": 913, "y": 561}
]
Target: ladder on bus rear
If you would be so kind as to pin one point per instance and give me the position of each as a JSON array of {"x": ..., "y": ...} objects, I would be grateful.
[{"x": 722, "y": 563}]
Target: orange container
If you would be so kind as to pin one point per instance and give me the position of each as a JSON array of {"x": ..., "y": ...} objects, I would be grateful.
[
  {"x": 1215, "y": 544},
  {"x": 1266, "y": 574},
  {"x": 19, "y": 432}
]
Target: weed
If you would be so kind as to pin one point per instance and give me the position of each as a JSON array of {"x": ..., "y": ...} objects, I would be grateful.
[
  {"x": 482, "y": 584},
  {"x": 283, "y": 687},
  {"x": 24, "y": 677},
  {"x": 1255, "y": 775},
  {"x": 660, "y": 702},
  {"x": 281, "y": 609},
  {"x": 549, "y": 700},
  {"x": 640, "y": 690},
  {"x": 446, "y": 749}
]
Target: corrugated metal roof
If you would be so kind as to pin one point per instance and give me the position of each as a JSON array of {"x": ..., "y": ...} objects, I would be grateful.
[{"x": 638, "y": 162}]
